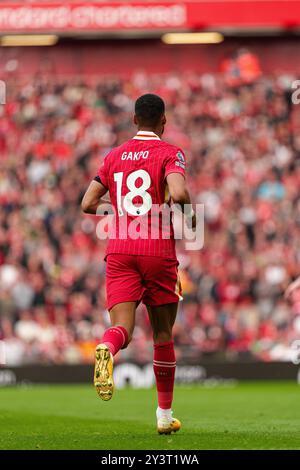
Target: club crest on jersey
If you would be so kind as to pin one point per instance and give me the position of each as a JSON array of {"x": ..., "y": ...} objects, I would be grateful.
[
  {"x": 181, "y": 160},
  {"x": 135, "y": 155},
  {"x": 180, "y": 157}
]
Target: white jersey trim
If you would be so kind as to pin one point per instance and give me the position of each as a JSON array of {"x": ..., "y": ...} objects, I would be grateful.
[{"x": 146, "y": 135}]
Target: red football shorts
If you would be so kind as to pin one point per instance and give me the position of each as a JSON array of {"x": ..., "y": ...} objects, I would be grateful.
[{"x": 134, "y": 278}]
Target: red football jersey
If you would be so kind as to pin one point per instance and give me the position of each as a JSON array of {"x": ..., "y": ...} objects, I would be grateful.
[{"x": 135, "y": 175}]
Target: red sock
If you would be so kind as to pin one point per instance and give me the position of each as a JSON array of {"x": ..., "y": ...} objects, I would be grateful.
[
  {"x": 115, "y": 338},
  {"x": 164, "y": 365}
]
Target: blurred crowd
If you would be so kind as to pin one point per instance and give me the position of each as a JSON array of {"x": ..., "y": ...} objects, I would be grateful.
[{"x": 242, "y": 143}]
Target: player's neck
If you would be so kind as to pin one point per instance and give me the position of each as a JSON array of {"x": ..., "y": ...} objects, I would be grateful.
[{"x": 158, "y": 132}]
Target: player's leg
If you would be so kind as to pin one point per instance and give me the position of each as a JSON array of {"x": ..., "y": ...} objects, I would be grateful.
[
  {"x": 162, "y": 294},
  {"x": 124, "y": 290},
  {"x": 162, "y": 319},
  {"x": 117, "y": 337}
]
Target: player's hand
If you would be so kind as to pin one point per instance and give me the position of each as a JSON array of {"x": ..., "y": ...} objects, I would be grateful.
[
  {"x": 191, "y": 222},
  {"x": 194, "y": 222},
  {"x": 292, "y": 287}
]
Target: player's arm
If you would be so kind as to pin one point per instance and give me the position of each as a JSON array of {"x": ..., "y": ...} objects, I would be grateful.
[
  {"x": 178, "y": 189},
  {"x": 92, "y": 197},
  {"x": 180, "y": 195},
  {"x": 292, "y": 288}
]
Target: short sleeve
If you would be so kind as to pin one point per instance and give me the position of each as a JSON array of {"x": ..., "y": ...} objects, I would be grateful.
[
  {"x": 175, "y": 162},
  {"x": 103, "y": 173}
]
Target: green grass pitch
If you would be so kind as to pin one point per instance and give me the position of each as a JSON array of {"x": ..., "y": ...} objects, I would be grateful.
[{"x": 244, "y": 416}]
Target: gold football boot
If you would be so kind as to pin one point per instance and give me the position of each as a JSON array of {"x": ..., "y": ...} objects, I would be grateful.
[{"x": 103, "y": 375}]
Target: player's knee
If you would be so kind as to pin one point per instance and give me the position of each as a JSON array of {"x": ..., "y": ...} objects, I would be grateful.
[{"x": 162, "y": 337}]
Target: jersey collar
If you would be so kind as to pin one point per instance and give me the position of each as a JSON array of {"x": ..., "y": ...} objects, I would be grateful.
[{"x": 146, "y": 135}]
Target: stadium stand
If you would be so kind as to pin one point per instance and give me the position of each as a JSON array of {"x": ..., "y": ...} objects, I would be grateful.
[{"x": 240, "y": 134}]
